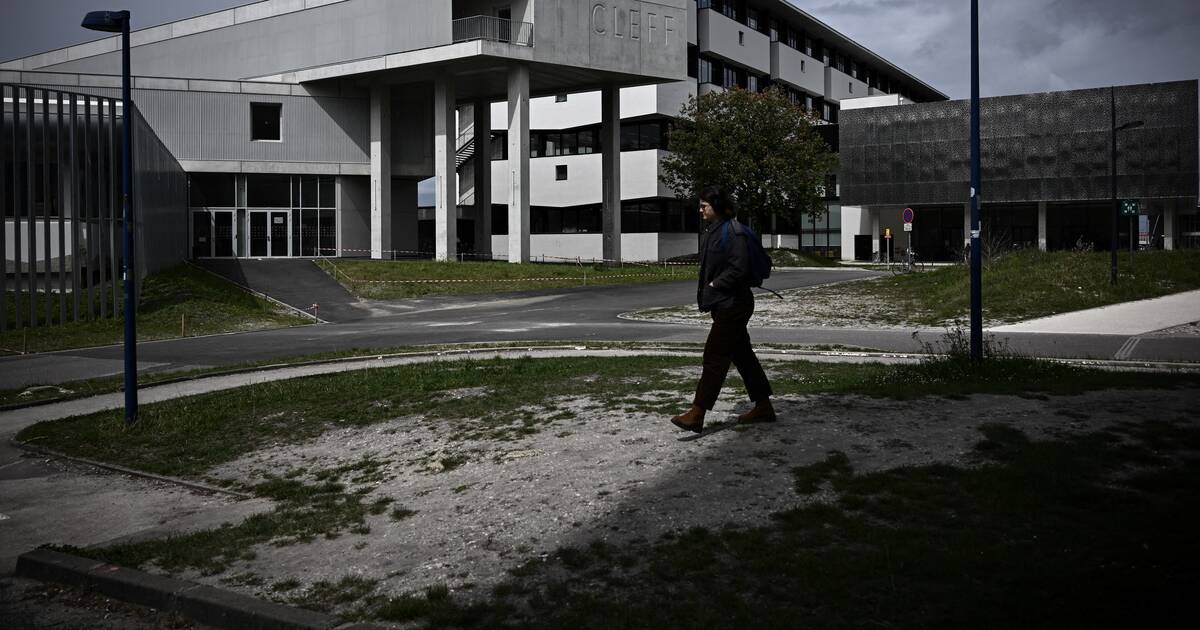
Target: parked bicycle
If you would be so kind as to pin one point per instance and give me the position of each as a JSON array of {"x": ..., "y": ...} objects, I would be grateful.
[{"x": 906, "y": 262}]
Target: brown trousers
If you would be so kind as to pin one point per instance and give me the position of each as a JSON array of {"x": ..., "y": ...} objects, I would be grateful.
[{"x": 729, "y": 342}]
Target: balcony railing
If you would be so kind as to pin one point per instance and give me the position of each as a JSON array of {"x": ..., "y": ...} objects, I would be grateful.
[{"x": 493, "y": 29}]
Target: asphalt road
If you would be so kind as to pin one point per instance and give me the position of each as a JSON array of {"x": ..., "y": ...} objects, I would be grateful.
[{"x": 583, "y": 315}]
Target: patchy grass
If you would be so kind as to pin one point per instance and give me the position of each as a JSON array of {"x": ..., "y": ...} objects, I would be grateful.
[
  {"x": 1028, "y": 284},
  {"x": 1090, "y": 531},
  {"x": 92, "y": 387},
  {"x": 387, "y": 280},
  {"x": 186, "y": 437},
  {"x": 179, "y": 301}
]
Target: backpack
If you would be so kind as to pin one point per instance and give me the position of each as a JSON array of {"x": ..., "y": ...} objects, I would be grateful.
[{"x": 760, "y": 262}]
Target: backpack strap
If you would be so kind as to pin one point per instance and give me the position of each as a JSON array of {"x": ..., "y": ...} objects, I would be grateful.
[{"x": 737, "y": 229}]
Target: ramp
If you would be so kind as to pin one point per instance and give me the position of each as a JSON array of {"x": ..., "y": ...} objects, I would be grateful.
[{"x": 296, "y": 282}]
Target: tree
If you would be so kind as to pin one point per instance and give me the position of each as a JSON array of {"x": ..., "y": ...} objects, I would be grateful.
[{"x": 760, "y": 147}]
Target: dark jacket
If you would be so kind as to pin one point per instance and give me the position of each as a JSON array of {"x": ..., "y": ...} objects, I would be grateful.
[{"x": 724, "y": 262}]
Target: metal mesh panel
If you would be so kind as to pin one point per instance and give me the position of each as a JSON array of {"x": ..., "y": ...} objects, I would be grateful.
[{"x": 1035, "y": 147}]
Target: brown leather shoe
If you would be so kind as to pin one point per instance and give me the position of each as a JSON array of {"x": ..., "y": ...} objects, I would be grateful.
[
  {"x": 762, "y": 412},
  {"x": 690, "y": 420}
]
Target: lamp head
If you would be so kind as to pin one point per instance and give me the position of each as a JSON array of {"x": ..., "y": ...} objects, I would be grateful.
[{"x": 106, "y": 21}]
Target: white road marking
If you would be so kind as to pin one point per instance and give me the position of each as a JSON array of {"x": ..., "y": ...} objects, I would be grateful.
[
  {"x": 1127, "y": 348},
  {"x": 441, "y": 324}
]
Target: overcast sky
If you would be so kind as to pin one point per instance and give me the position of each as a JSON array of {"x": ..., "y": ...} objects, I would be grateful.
[{"x": 1027, "y": 45}]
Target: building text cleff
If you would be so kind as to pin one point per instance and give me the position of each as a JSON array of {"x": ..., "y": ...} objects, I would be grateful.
[{"x": 621, "y": 22}]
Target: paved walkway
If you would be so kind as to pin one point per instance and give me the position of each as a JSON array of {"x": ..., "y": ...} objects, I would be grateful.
[
  {"x": 296, "y": 282},
  {"x": 1129, "y": 318}
]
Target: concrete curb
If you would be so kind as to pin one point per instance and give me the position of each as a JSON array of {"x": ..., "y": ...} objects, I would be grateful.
[
  {"x": 194, "y": 485},
  {"x": 203, "y": 604}
]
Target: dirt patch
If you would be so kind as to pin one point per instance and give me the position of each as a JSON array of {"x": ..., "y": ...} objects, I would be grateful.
[
  {"x": 826, "y": 306},
  {"x": 617, "y": 477}
]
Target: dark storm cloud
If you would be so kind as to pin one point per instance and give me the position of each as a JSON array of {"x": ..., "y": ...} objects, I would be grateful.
[{"x": 1027, "y": 45}]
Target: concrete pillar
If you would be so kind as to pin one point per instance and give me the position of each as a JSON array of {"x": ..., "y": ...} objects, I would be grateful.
[
  {"x": 381, "y": 171},
  {"x": 483, "y": 179},
  {"x": 445, "y": 146},
  {"x": 1170, "y": 225},
  {"x": 1042, "y": 225},
  {"x": 610, "y": 171},
  {"x": 873, "y": 213},
  {"x": 518, "y": 163}
]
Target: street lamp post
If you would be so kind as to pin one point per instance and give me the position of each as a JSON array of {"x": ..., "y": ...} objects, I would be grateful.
[
  {"x": 118, "y": 22},
  {"x": 1112, "y": 176},
  {"x": 976, "y": 254}
]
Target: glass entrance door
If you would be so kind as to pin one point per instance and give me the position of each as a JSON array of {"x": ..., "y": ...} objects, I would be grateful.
[
  {"x": 269, "y": 233},
  {"x": 213, "y": 234}
]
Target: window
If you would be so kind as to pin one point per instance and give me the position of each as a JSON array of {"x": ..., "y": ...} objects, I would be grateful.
[
  {"x": 752, "y": 83},
  {"x": 560, "y": 172},
  {"x": 850, "y": 87},
  {"x": 706, "y": 71},
  {"x": 741, "y": 38},
  {"x": 268, "y": 191},
  {"x": 801, "y": 65},
  {"x": 211, "y": 190},
  {"x": 266, "y": 121},
  {"x": 560, "y": 98}
]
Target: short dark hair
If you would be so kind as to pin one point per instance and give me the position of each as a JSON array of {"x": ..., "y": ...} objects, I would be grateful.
[{"x": 722, "y": 203}]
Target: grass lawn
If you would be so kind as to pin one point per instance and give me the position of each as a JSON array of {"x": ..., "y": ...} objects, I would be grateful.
[
  {"x": 1028, "y": 284},
  {"x": 186, "y": 437},
  {"x": 387, "y": 280},
  {"x": 1093, "y": 529},
  {"x": 177, "y": 301}
]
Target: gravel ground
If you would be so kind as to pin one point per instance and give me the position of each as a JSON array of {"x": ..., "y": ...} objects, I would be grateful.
[
  {"x": 620, "y": 477},
  {"x": 824, "y": 306}
]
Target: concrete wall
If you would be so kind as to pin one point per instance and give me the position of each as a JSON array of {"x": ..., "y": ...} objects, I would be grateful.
[
  {"x": 404, "y": 215},
  {"x": 583, "y": 108},
  {"x": 840, "y": 86},
  {"x": 638, "y": 247},
  {"x": 629, "y": 36},
  {"x": 639, "y": 179},
  {"x": 719, "y": 36},
  {"x": 223, "y": 48},
  {"x": 797, "y": 69},
  {"x": 354, "y": 215}
]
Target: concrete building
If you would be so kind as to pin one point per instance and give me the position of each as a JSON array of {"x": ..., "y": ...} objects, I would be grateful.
[
  {"x": 305, "y": 125},
  {"x": 1046, "y": 179}
]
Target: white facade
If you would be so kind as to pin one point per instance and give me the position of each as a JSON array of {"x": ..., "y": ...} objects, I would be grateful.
[{"x": 381, "y": 94}]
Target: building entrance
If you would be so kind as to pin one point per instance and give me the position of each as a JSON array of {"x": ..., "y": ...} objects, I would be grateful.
[
  {"x": 269, "y": 235},
  {"x": 214, "y": 234}
]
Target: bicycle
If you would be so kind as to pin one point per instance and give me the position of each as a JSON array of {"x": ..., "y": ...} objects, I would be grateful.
[{"x": 906, "y": 263}]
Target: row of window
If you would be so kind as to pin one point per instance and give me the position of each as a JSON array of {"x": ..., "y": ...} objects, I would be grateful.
[
  {"x": 780, "y": 30},
  {"x": 230, "y": 190},
  {"x": 647, "y": 215},
  {"x": 729, "y": 76},
  {"x": 635, "y": 136}
]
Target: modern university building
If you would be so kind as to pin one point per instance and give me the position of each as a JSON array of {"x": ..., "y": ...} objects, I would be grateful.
[{"x": 296, "y": 128}]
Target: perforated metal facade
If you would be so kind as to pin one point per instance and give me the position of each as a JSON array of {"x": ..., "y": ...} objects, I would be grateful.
[{"x": 1051, "y": 146}]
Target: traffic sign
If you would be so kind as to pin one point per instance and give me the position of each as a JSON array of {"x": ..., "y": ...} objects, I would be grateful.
[
  {"x": 907, "y": 227},
  {"x": 907, "y": 215},
  {"x": 1131, "y": 207},
  {"x": 887, "y": 232}
]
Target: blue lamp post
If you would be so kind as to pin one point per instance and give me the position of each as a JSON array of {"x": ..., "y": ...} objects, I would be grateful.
[{"x": 118, "y": 22}]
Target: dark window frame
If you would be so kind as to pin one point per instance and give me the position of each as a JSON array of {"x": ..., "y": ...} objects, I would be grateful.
[{"x": 260, "y": 126}]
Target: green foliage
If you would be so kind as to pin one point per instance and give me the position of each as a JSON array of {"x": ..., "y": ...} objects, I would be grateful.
[{"x": 760, "y": 147}]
